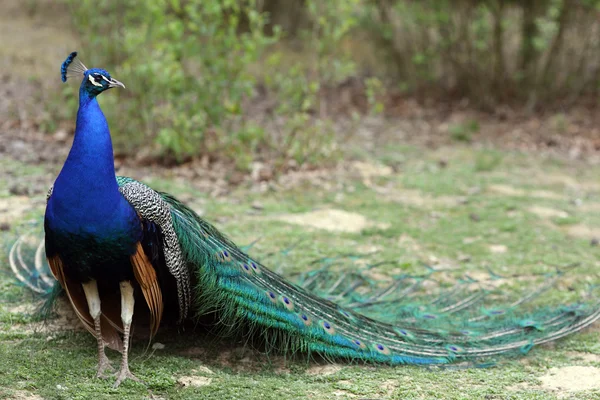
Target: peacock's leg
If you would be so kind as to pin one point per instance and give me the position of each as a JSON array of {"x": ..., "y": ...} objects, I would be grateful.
[
  {"x": 127, "y": 303},
  {"x": 93, "y": 299}
]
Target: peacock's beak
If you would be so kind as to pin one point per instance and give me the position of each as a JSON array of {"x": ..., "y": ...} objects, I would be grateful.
[{"x": 114, "y": 83}]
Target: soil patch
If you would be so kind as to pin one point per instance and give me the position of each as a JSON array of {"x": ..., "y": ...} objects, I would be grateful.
[
  {"x": 547, "y": 212},
  {"x": 566, "y": 380},
  {"x": 331, "y": 220}
]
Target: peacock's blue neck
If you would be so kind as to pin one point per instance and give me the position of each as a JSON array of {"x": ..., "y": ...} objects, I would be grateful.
[
  {"x": 90, "y": 164},
  {"x": 86, "y": 190}
]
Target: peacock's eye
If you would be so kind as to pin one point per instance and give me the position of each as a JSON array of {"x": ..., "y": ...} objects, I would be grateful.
[{"x": 98, "y": 77}]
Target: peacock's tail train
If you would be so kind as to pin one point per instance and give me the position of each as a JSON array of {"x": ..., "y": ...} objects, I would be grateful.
[{"x": 344, "y": 315}]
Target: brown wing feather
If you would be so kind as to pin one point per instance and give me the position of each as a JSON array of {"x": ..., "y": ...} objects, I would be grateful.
[
  {"x": 77, "y": 298},
  {"x": 146, "y": 277}
]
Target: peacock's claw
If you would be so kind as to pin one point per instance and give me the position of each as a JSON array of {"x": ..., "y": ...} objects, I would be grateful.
[
  {"x": 104, "y": 365},
  {"x": 123, "y": 374}
]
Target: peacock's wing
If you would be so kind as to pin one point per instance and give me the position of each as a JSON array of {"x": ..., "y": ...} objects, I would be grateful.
[{"x": 158, "y": 265}]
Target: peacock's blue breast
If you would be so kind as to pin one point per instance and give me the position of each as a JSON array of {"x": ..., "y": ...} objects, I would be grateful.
[{"x": 94, "y": 239}]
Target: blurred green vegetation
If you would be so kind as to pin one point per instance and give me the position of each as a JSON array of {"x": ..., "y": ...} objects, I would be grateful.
[{"x": 256, "y": 80}]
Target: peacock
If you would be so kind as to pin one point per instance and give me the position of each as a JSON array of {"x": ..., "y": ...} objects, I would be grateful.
[{"x": 115, "y": 245}]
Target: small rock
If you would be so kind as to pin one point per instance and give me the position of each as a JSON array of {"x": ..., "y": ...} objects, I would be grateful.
[
  {"x": 474, "y": 190},
  {"x": 257, "y": 206},
  {"x": 195, "y": 381},
  {"x": 205, "y": 370},
  {"x": 324, "y": 370},
  {"x": 18, "y": 190},
  {"x": 158, "y": 346},
  {"x": 474, "y": 217},
  {"x": 435, "y": 215},
  {"x": 464, "y": 258},
  {"x": 4, "y": 226},
  {"x": 594, "y": 242},
  {"x": 60, "y": 135},
  {"x": 498, "y": 248}
]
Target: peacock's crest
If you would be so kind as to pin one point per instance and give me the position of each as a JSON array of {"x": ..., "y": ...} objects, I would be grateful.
[{"x": 71, "y": 69}]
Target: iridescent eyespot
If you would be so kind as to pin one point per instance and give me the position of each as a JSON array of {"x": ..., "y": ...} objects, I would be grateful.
[
  {"x": 255, "y": 267},
  {"x": 380, "y": 348},
  {"x": 360, "y": 344},
  {"x": 223, "y": 255},
  {"x": 245, "y": 268},
  {"x": 403, "y": 334},
  {"x": 272, "y": 296},
  {"x": 287, "y": 303},
  {"x": 454, "y": 349},
  {"x": 306, "y": 319},
  {"x": 347, "y": 314},
  {"x": 328, "y": 327}
]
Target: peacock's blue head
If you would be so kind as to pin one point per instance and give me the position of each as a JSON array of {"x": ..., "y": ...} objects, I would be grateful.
[{"x": 95, "y": 80}]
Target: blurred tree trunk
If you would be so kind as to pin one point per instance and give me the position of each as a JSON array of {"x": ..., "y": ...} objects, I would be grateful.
[
  {"x": 529, "y": 31},
  {"x": 558, "y": 41},
  {"x": 499, "y": 63},
  {"x": 290, "y": 15},
  {"x": 390, "y": 42}
]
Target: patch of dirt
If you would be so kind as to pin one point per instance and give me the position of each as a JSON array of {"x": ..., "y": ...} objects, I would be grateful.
[
  {"x": 388, "y": 386},
  {"x": 13, "y": 208},
  {"x": 566, "y": 380},
  {"x": 583, "y": 231},
  {"x": 407, "y": 242},
  {"x": 498, "y": 248},
  {"x": 515, "y": 192},
  {"x": 324, "y": 370},
  {"x": 343, "y": 393},
  {"x": 331, "y": 220},
  {"x": 194, "y": 352},
  {"x": 203, "y": 369},
  {"x": 195, "y": 381},
  {"x": 593, "y": 207},
  {"x": 419, "y": 199},
  {"x": 369, "y": 170},
  {"x": 547, "y": 212},
  {"x": 66, "y": 319},
  {"x": 241, "y": 359},
  {"x": 588, "y": 357},
  {"x": 566, "y": 181},
  {"x": 23, "y": 395},
  {"x": 27, "y": 308}
]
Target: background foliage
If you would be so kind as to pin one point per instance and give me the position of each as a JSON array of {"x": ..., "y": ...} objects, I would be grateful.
[{"x": 250, "y": 80}]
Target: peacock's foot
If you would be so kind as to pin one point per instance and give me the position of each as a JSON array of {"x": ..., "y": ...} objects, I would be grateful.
[
  {"x": 123, "y": 374},
  {"x": 103, "y": 365}
]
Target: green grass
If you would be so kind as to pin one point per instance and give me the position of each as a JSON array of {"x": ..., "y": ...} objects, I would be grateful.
[{"x": 452, "y": 216}]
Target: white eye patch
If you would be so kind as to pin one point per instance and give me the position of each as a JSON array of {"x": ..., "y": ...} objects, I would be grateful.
[{"x": 93, "y": 81}]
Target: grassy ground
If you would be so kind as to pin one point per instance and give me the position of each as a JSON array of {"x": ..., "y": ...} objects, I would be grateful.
[{"x": 455, "y": 208}]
